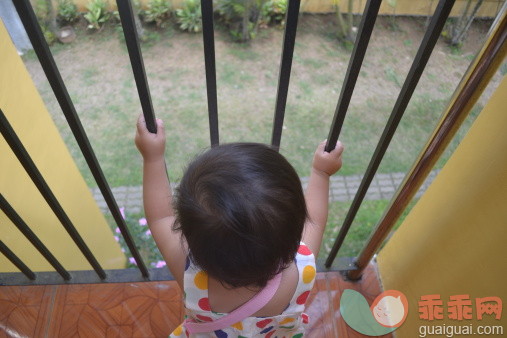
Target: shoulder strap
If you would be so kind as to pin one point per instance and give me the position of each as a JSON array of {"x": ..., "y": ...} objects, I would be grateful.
[{"x": 244, "y": 311}]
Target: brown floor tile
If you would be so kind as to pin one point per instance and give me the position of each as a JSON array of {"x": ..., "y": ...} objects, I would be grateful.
[
  {"x": 24, "y": 310},
  {"x": 149, "y": 309}
]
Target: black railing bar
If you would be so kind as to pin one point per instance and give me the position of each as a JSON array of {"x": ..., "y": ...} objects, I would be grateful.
[
  {"x": 423, "y": 54},
  {"x": 289, "y": 40},
  {"x": 31, "y": 169},
  {"x": 25, "y": 12},
  {"x": 136, "y": 61},
  {"x": 32, "y": 237},
  {"x": 11, "y": 256},
  {"x": 468, "y": 91},
  {"x": 356, "y": 60},
  {"x": 208, "y": 36}
]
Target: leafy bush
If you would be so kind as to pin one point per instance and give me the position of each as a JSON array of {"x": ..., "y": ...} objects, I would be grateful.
[
  {"x": 67, "y": 11},
  {"x": 48, "y": 35},
  {"x": 273, "y": 11},
  {"x": 189, "y": 17},
  {"x": 97, "y": 13},
  {"x": 158, "y": 11},
  {"x": 46, "y": 17},
  {"x": 242, "y": 17}
]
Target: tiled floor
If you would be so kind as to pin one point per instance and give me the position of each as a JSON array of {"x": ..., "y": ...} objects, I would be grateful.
[{"x": 150, "y": 309}]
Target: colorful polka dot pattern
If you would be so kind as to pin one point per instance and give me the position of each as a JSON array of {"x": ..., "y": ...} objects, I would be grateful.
[{"x": 289, "y": 324}]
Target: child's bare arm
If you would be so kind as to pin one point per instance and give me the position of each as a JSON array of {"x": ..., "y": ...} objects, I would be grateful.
[
  {"x": 317, "y": 193},
  {"x": 157, "y": 197}
]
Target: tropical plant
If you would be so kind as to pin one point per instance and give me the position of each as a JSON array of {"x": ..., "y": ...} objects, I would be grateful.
[
  {"x": 97, "y": 13},
  {"x": 273, "y": 11},
  {"x": 189, "y": 17},
  {"x": 158, "y": 11},
  {"x": 46, "y": 17},
  {"x": 67, "y": 11},
  {"x": 242, "y": 17}
]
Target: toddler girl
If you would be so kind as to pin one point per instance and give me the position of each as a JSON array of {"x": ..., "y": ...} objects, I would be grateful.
[{"x": 240, "y": 227}]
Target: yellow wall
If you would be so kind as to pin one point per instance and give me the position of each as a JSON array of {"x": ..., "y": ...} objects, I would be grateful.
[
  {"x": 489, "y": 8},
  {"x": 23, "y": 107},
  {"x": 454, "y": 241}
]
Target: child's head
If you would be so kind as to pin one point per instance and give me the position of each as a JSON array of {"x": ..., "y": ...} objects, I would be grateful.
[{"x": 241, "y": 209}]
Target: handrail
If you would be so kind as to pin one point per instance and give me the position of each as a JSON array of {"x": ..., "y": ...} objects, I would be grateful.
[
  {"x": 468, "y": 92},
  {"x": 27, "y": 16},
  {"x": 31, "y": 169},
  {"x": 209, "y": 64},
  {"x": 289, "y": 40},
  {"x": 136, "y": 61},
  {"x": 423, "y": 54},
  {"x": 32, "y": 237},
  {"x": 356, "y": 60}
]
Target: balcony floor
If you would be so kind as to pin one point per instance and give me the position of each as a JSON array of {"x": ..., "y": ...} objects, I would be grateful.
[{"x": 148, "y": 309}]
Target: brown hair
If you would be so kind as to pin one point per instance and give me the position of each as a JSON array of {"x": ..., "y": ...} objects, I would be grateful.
[{"x": 241, "y": 209}]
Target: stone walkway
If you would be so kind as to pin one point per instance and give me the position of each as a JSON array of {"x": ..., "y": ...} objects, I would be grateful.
[{"x": 343, "y": 188}]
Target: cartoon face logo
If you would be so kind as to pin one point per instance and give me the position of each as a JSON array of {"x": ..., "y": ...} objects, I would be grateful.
[{"x": 390, "y": 308}]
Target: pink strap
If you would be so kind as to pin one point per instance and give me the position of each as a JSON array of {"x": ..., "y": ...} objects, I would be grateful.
[{"x": 244, "y": 311}]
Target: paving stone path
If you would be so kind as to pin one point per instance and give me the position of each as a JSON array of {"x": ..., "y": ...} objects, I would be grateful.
[{"x": 343, "y": 188}]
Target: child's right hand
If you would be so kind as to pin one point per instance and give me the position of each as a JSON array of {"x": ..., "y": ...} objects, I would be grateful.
[
  {"x": 327, "y": 163},
  {"x": 151, "y": 146}
]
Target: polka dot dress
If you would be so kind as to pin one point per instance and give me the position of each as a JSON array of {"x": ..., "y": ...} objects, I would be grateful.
[{"x": 289, "y": 324}]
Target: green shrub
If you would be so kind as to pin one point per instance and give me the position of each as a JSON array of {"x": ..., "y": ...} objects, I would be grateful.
[
  {"x": 97, "y": 13},
  {"x": 241, "y": 17},
  {"x": 48, "y": 35},
  {"x": 189, "y": 17},
  {"x": 273, "y": 11},
  {"x": 158, "y": 11},
  {"x": 45, "y": 14},
  {"x": 67, "y": 11}
]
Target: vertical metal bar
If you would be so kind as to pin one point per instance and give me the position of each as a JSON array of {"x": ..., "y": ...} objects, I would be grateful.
[
  {"x": 356, "y": 60},
  {"x": 16, "y": 261},
  {"x": 472, "y": 85},
  {"x": 209, "y": 63},
  {"x": 27, "y": 16},
  {"x": 136, "y": 60},
  {"x": 31, "y": 169},
  {"x": 423, "y": 54},
  {"x": 289, "y": 39},
  {"x": 32, "y": 237}
]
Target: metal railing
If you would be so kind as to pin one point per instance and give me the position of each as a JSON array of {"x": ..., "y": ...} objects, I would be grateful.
[{"x": 487, "y": 61}]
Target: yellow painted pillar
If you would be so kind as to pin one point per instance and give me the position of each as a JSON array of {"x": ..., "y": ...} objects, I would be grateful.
[
  {"x": 25, "y": 111},
  {"x": 454, "y": 241}
]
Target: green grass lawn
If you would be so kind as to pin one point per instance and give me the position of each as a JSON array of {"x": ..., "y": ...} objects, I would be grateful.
[{"x": 98, "y": 76}]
